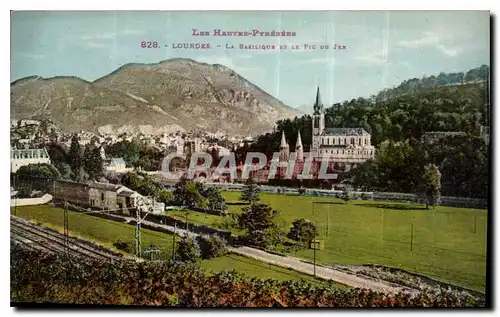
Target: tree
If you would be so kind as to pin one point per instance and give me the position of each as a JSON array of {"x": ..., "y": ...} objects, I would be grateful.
[
  {"x": 303, "y": 231},
  {"x": 92, "y": 162},
  {"x": 36, "y": 177},
  {"x": 211, "y": 246},
  {"x": 122, "y": 245},
  {"x": 259, "y": 220},
  {"x": 81, "y": 175},
  {"x": 131, "y": 180},
  {"x": 431, "y": 185},
  {"x": 65, "y": 170},
  {"x": 75, "y": 155},
  {"x": 147, "y": 188},
  {"x": 165, "y": 197},
  {"x": 187, "y": 250},
  {"x": 186, "y": 193},
  {"x": 250, "y": 192},
  {"x": 57, "y": 154},
  {"x": 129, "y": 151},
  {"x": 215, "y": 201}
]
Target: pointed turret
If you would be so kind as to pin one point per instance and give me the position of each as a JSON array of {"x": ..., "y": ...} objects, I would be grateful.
[
  {"x": 284, "y": 149},
  {"x": 283, "y": 141},
  {"x": 299, "y": 151},
  {"x": 299, "y": 141}
]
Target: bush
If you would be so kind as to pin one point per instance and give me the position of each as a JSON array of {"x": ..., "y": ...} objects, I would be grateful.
[
  {"x": 24, "y": 191},
  {"x": 211, "y": 246},
  {"x": 42, "y": 277},
  {"x": 187, "y": 250},
  {"x": 303, "y": 231},
  {"x": 123, "y": 246}
]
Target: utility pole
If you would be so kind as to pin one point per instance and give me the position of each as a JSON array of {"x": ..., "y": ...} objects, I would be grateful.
[
  {"x": 327, "y": 221},
  {"x": 15, "y": 198},
  {"x": 314, "y": 248},
  {"x": 138, "y": 233},
  {"x": 66, "y": 228},
  {"x": 138, "y": 224},
  {"x": 173, "y": 241}
]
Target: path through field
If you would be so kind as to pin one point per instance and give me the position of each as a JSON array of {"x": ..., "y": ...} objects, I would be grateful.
[{"x": 297, "y": 264}]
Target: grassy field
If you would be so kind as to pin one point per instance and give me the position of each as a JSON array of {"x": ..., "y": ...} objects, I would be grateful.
[
  {"x": 106, "y": 232},
  {"x": 445, "y": 243},
  {"x": 197, "y": 217}
]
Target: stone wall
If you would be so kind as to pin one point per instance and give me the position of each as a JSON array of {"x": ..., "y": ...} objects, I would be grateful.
[{"x": 31, "y": 201}]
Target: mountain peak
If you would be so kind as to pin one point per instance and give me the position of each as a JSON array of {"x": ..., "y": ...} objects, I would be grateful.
[{"x": 179, "y": 91}]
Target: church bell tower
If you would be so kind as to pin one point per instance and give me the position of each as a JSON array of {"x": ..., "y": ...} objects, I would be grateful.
[{"x": 318, "y": 124}]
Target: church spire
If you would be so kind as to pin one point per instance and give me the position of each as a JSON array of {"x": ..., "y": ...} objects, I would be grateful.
[
  {"x": 318, "y": 106},
  {"x": 299, "y": 141},
  {"x": 299, "y": 151},
  {"x": 284, "y": 149},
  {"x": 318, "y": 98},
  {"x": 283, "y": 141}
]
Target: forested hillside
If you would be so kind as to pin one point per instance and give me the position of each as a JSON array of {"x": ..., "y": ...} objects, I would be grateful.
[
  {"x": 414, "y": 85},
  {"x": 400, "y": 116}
]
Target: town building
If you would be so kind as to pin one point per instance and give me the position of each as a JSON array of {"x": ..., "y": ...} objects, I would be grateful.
[
  {"x": 23, "y": 157},
  {"x": 103, "y": 196},
  {"x": 26, "y": 122},
  {"x": 117, "y": 165}
]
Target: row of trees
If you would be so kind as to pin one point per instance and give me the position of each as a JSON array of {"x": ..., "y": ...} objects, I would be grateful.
[
  {"x": 82, "y": 163},
  {"x": 77, "y": 163},
  {"x": 186, "y": 193},
  {"x": 443, "y": 79},
  {"x": 194, "y": 194},
  {"x": 459, "y": 163}
]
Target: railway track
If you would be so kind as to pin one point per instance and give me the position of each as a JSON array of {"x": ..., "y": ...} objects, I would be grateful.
[{"x": 38, "y": 237}]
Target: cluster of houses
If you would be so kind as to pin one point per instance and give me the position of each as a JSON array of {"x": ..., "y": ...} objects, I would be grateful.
[{"x": 32, "y": 134}]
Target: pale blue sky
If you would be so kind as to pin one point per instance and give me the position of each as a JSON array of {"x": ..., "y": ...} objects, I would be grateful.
[{"x": 383, "y": 48}]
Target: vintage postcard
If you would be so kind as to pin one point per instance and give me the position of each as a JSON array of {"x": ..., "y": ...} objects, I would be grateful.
[{"x": 250, "y": 159}]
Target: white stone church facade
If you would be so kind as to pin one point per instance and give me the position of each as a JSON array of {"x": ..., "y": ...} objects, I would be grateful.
[
  {"x": 345, "y": 145},
  {"x": 342, "y": 147}
]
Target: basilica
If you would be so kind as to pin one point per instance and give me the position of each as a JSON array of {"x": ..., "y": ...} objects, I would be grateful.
[{"x": 341, "y": 147}]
